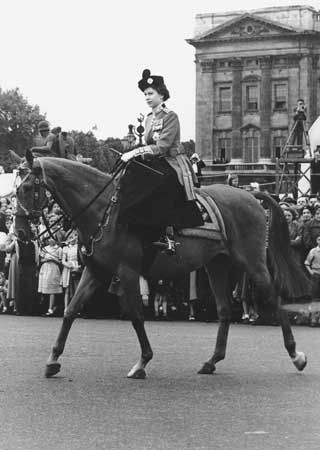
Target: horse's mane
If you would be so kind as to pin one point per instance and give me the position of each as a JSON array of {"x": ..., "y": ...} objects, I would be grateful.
[{"x": 71, "y": 169}]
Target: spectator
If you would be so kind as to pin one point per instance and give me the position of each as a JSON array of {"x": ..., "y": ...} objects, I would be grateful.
[
  {"x": 311, "y": 231},
  {"x": 50, "y": 275},
  {"x": 301, "y": 203},
  {"x": 144, "y": 290},
  {"x": 13, "y": 275},
  {"x": 28, "y": 260},
  {"x": 3, "y": 293},
  {"x": 304, "y": 219},
  {"x": 67, "y": 146},
  {"x": 294, "y": 233},
  {"x": 161, "y": 299},
  {"x": 312, "y": 264},
  {"x": 193, "y": 296},
  {"x": 197, "y": 166},
  {"x": 71, "y": 272},
  {"x": 3, "y": 241}
]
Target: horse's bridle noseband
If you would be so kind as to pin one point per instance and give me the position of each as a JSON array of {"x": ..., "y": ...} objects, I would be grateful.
[{"x": 36, "y": 211}]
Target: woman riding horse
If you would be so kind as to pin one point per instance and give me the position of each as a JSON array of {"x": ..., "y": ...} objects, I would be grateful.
[{"x": 149, "y": 201}]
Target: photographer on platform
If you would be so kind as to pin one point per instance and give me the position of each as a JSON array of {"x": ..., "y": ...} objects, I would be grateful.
[{"x": 298, "y": 126}]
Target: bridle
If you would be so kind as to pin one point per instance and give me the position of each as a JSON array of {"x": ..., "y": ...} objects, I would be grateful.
[{"x": 37, "y": 209}]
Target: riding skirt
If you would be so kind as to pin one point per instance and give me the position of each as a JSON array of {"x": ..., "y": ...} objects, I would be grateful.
[{"x": 155, "y": 199}]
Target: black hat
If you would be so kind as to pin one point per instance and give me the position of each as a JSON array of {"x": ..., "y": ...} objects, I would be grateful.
[{"x": 148, "y": 80}]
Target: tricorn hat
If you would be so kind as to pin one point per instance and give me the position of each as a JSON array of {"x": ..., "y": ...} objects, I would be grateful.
[{"x": 148, "y": 80}]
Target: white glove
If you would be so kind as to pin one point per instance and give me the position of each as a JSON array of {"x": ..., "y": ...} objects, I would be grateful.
[{"x": 136, "y": 152}]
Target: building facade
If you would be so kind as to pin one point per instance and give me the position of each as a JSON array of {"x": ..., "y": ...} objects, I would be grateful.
[{"x": 251, "y": 68}]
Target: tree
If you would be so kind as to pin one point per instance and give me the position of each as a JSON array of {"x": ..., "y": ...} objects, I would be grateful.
[
  {"x": 18, "y": 123},
  {"x": 99, "y": 150}
]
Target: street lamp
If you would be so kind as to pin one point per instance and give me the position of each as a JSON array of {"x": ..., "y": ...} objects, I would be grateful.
[{"x": 129, "y": 141}]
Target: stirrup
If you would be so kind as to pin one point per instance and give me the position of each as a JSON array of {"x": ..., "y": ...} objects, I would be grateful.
[{"x": 166, "y": 244}]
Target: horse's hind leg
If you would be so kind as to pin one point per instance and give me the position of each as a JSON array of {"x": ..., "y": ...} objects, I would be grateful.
[
  {"x": 299, "y": 359},
  {"x": 218, "y": 273},
  {"x": 84, "y": 291}
]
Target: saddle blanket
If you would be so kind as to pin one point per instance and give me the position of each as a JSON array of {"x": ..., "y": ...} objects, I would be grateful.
[{"x": 213, "y": 228}]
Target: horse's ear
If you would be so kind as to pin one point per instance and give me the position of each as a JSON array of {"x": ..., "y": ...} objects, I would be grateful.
[{"x": 29, "y": 158}]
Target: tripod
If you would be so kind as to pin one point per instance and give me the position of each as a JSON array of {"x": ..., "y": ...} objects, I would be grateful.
[{"x": 298, "y": 132}]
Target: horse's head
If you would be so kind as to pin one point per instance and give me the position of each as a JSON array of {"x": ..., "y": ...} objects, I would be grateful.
[{"x": 31, "y": 189}]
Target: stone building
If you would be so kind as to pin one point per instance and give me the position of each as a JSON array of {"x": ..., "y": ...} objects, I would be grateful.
[{"x": 251, "y": 68}]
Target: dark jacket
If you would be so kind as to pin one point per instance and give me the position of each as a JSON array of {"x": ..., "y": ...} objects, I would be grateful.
[{"x": 310, "y": 232}]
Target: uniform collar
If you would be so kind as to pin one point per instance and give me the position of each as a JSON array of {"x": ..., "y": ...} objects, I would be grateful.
[{"x": 159, "y": 108}]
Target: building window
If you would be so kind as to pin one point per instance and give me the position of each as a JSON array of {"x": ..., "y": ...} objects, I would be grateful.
[
  {"x": 252, "y": 99},
  {"x": 224, "y": 149},
  {"x": 225, "y": 99},
  {"x": 222, "y": 146},
  {"x": 252, "y": 62},
  {"x": 251, "y": 150},
  {"x": 277, "y": 146},
  {"x": 280, "y": 61},
  {"x": 278, "y": 142},
  {"x": 280, "y": 95}
]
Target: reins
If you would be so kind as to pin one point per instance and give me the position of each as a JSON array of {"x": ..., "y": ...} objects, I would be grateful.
[{"x": 119, "y": 166}]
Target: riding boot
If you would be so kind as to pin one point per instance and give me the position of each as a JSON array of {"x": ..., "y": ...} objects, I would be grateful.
[{"x": 167, "y": 242}]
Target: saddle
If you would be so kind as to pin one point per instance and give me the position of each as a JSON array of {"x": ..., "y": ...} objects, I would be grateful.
[{"x": 213, "y": 227}]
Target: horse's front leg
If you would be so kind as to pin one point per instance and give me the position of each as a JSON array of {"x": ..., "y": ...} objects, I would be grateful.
[
  {"x": 84, "y": 291},
  {"x": 134, "y": 308}
]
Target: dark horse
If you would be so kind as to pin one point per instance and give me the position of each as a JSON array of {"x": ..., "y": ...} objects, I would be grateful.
[{"x": 110, "y": 249}]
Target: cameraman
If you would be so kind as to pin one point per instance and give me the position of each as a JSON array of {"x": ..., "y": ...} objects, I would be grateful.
[{"x": 299, "y": 117}]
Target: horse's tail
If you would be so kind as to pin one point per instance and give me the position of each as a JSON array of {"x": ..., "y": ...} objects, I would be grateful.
[{"x": 287, "y": 275}]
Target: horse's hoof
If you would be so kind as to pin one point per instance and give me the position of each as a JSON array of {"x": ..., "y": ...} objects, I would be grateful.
[
  {"x": 52, "y": 369},
  {"x": 139, "y": 374},
  {"x": 207, "y": 369},
  {"x": 300, "y": 361}
]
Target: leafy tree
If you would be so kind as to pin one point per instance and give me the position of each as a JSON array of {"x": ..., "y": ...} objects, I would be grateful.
[
  {"x": 99, "y": 150},
  {"x": 18, "y": 122}
]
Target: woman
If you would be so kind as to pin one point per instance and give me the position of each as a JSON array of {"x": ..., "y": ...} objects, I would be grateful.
[
  {"x": 311, "y": 231},
  {"x": 13, "y": 274},
  {"x": 71, "y": 272},
  {"x": 50, "y": 275},
  {"x": 150, "y": 201},
  {"x": 303, "y": 222},
  {"x": 294, "y": 233}
]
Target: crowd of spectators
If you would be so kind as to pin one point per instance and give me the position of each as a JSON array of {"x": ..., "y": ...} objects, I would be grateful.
[
  {"x": 303, "y": 218},
  {"x": 41, "y": 277},
  {"x": 36, "y": 277}
]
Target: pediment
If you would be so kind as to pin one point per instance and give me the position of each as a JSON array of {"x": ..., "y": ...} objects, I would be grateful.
[
  {"x": 250, "y": 126},
  {"x": 246, "y": 26}
]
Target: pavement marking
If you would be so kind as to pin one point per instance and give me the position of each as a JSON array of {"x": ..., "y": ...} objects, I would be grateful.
[{"x": 256, "y": 432}]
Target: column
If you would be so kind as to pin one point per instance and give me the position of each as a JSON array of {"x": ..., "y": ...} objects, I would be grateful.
[
  {"x": 236, "y": 151},
  {"x": 204, "y": 109},
  {"x": 305, "y": 77},
  {"x": 265, "y": 108}
]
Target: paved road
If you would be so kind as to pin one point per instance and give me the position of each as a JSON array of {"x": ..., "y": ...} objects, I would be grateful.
[{"x": 256, "y": 400}]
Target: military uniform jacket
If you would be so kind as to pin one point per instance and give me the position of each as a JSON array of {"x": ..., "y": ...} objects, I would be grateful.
[{"x": 162, "y": 136}]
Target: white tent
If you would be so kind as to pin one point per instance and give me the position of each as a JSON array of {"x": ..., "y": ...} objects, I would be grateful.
[
  {"x": 314, "y": 137},
  {"x": 7, "y": 184}
]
